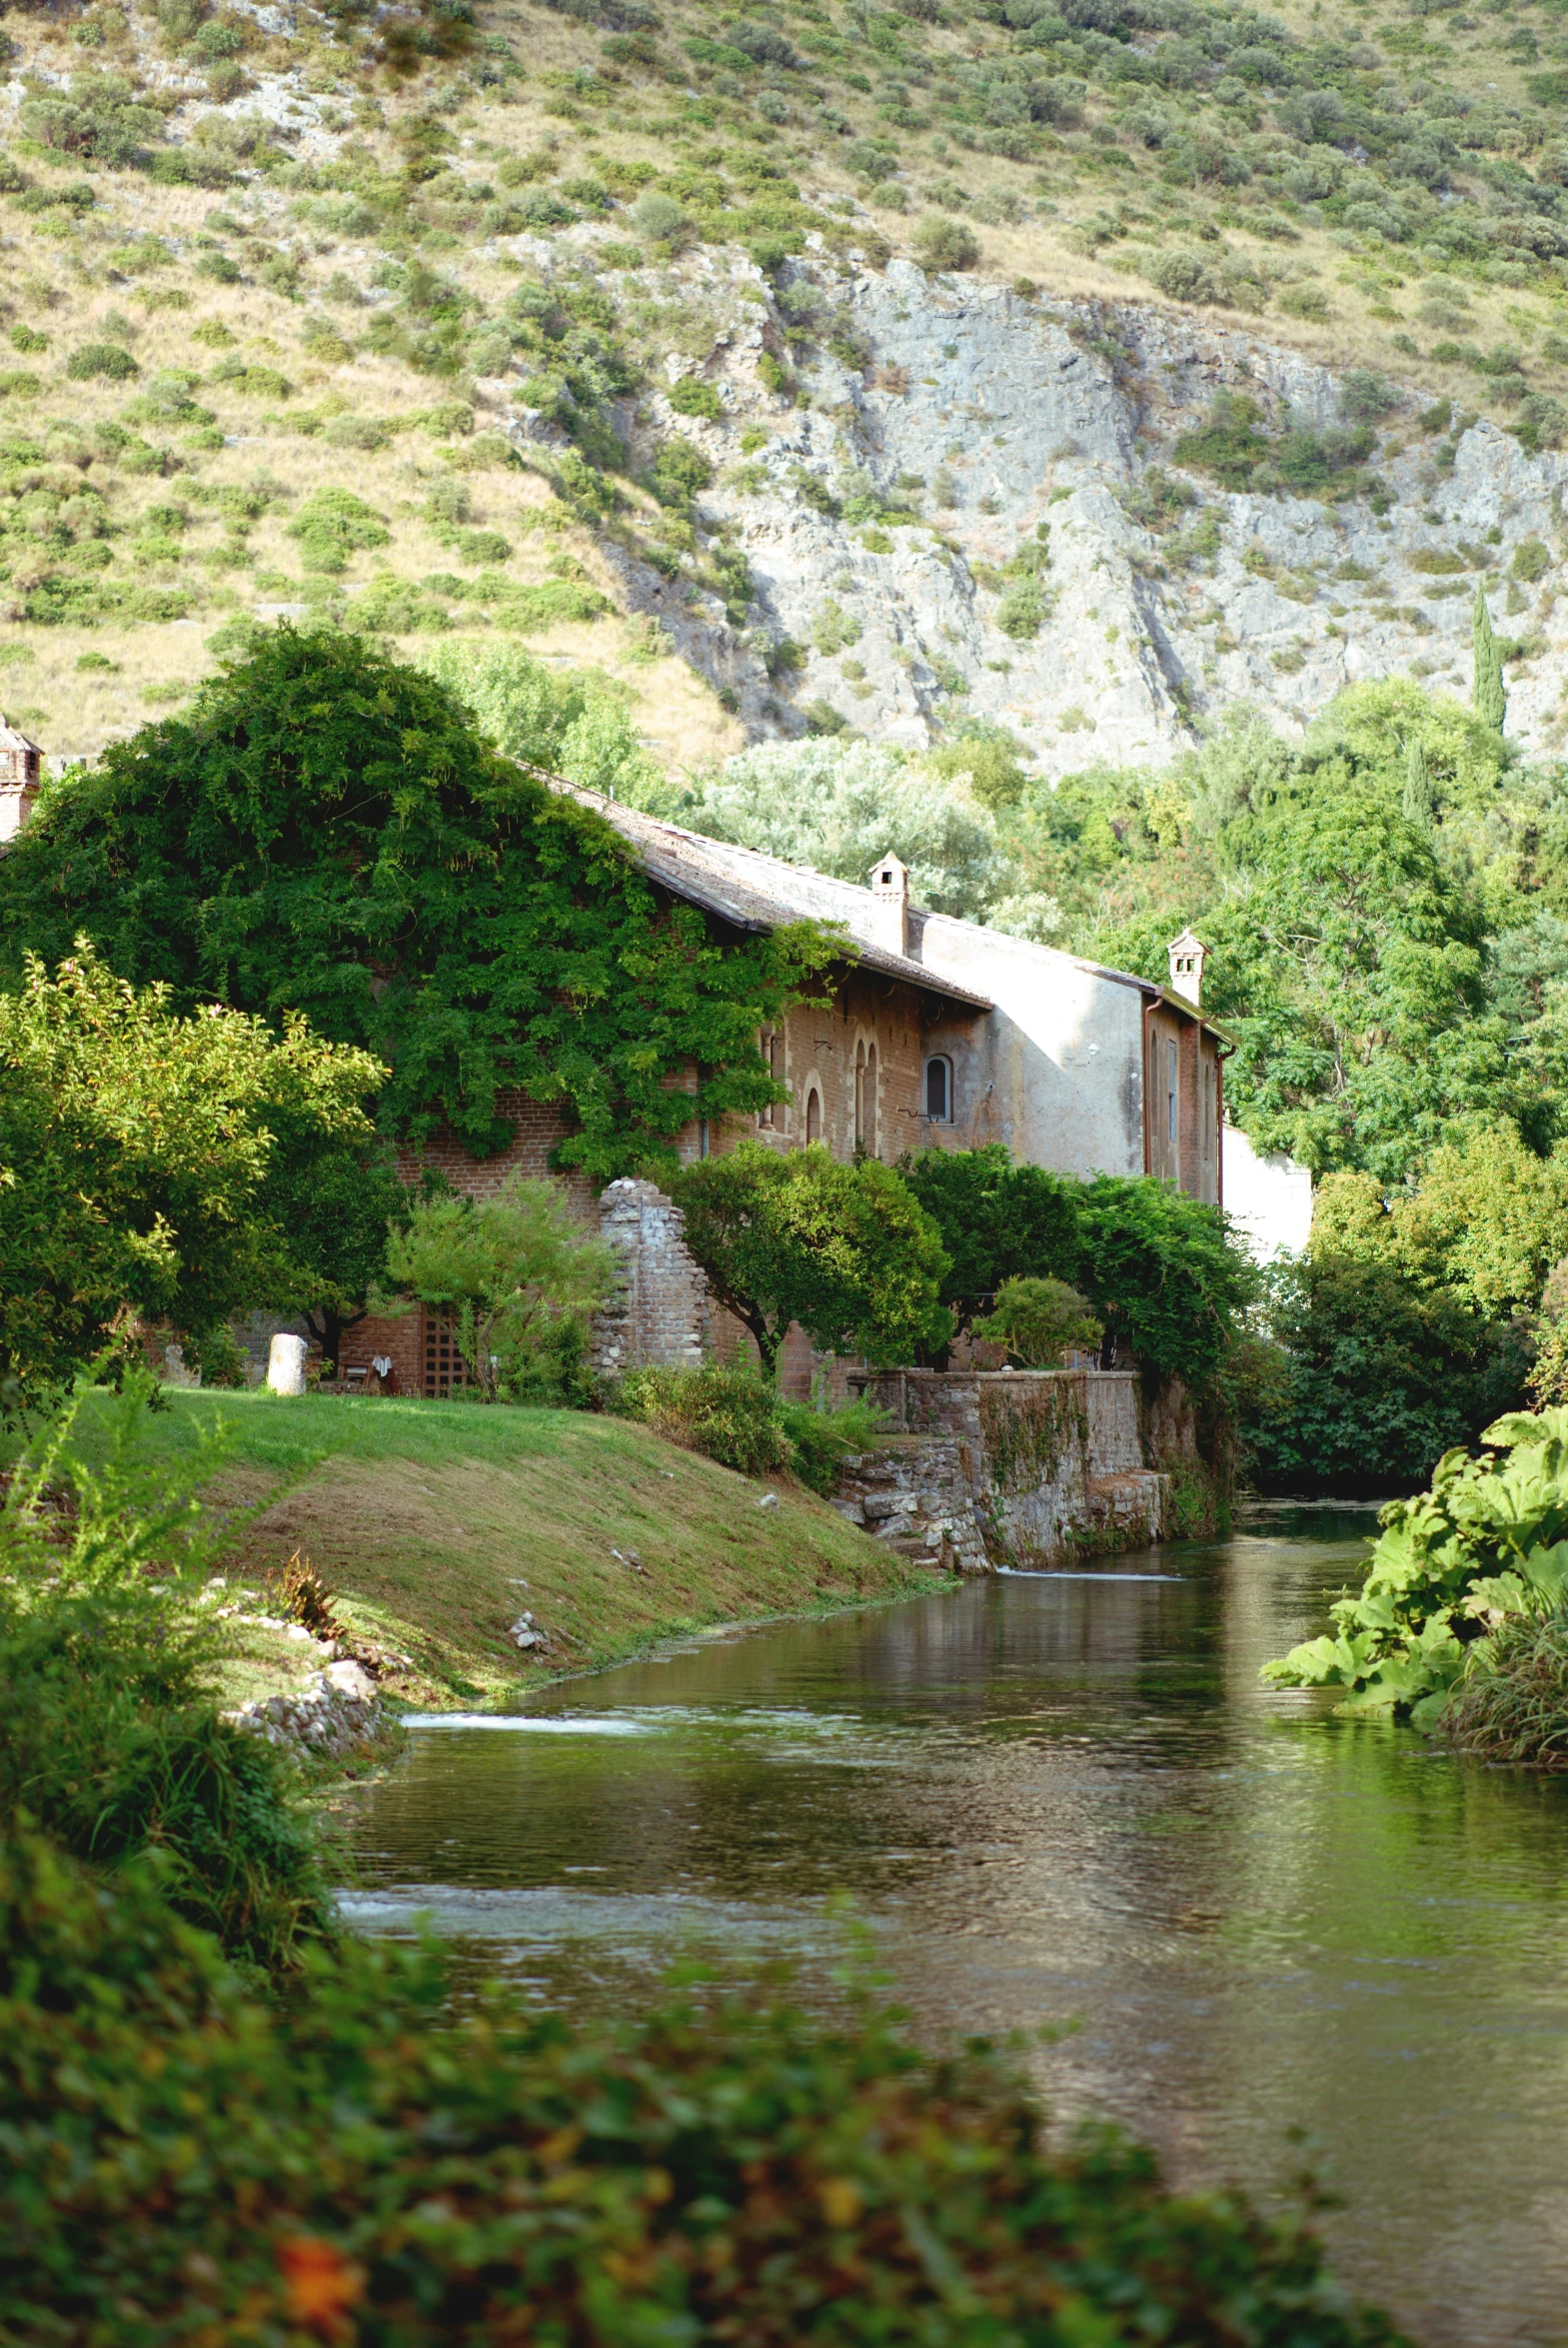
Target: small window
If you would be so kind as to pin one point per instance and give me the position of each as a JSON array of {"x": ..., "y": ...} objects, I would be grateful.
[
  {"x": 1171, "y": 1095},
  {"x": 814, "y": 1115},
  {"x": 938, "y": 1090}
]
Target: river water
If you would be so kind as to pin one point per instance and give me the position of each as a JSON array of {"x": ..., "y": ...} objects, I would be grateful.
[{"x": 1068, "y": 1800}]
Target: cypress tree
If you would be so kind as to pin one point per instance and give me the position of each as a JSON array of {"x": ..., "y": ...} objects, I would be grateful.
[
  {"x": 1488, "y": 698},
  {"x": 1419, "y": 804}
]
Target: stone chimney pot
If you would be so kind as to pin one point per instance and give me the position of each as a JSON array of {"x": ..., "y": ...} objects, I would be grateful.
[
  {"x": 1186, "y": 954},
  {"x": 21, "y": 762},
  {"x": 889, "y": 924}
]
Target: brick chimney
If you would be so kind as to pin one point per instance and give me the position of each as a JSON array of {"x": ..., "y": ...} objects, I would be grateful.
[
  {"x": 889, "y": 924},
  {"x": 21, "y": 766},
  {"x": 1187, "y": 956}
]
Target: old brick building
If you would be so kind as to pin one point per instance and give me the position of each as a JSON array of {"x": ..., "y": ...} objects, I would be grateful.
[{"x": 936, "y": 1032}]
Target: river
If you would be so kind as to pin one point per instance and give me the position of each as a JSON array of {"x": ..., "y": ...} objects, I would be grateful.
[{"x": 1069, "y": 1800}]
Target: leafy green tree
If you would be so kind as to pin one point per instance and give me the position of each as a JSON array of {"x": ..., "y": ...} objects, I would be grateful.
[
  {"x": 1036, "y": 1320},
  {"x": 998, "y": 1222},
  {"x": 134, "y": 1153},
  {"x": 846, "y": 1251},
  {"x": 1487, "y": 1220},
  {"x": 570, "y": 723},
  {"x": 1487, "y": 694},
  {"x": 838, "y": 805},
  {"x": 326, "y": 832},
  {"x": 1350, "y": 971},
  {"x": 1381, "y": 1376},
  {"x": 337, "y": 1203},
  {"x": 1417, "y": 804},
  {"x": 1162, "y": 1272},
  {"x": 507, "y": 1268}
]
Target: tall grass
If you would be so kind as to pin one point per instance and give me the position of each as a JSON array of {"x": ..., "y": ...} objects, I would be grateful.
[
  {"x": 1512, "y": 1704},
  {"x": 110, "y": 1738}
]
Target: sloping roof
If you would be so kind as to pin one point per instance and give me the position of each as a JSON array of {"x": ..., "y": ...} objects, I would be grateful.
[
  {"x": 757, "y": 893},
  {"x": 760, "y": 893},
  {"x": 13, "y": 739}
]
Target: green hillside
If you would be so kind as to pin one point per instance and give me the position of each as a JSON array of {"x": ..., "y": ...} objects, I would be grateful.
[{"x": 272, "y": 296}]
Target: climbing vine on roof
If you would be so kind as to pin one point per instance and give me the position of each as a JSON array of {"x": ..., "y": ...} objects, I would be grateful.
[{"x": 327, "y": 832}]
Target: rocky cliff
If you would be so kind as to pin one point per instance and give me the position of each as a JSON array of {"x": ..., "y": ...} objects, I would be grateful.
[{"x": 984, "y": 502}]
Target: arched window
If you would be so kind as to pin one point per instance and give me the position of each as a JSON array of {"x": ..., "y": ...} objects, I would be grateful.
[
  {"x": 814, "y": 1115},
  {"x": 938, "y": 1090}
]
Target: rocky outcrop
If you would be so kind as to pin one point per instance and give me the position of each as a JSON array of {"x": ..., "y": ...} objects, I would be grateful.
[{"x": 1000, "y": 420}]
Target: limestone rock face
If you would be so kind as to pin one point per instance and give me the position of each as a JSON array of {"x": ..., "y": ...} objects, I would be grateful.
[{"x": 994, "y": 417}]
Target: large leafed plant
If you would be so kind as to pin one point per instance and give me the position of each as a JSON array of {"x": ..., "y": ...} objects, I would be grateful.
[{"x": 1488, "y": 1545}]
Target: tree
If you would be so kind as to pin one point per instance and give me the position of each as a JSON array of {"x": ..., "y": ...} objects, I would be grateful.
[
  {"x": 997, "y": 1221},
  {"x": 1349, "y": 968},
  {"x": 1382, "y": 1376},
  {"x": 135, "y": 1152},
  {"x": 337, "y": 1203},
  {"x": 838, "y": 805},
  {"x": 1488, "y": 696},
  {"x": 570, "y": 723},
  {"x": 1036, "y": 1320},
  {"x": 507, "y": 1268},
  {"x": 328, "y": 833},
  {"x": 1163, "y": 1274},
  {"x": 1418, "y": 805},
  {"x": 846, "y": 1251}
]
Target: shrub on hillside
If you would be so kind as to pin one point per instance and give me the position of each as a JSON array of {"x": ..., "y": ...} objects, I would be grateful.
[
  {"x": 101, "y": 358},
  {"x": 331, "y": 525},
  {"x": 730, "y": 1416},
  {"x": 941, "y": 243}
]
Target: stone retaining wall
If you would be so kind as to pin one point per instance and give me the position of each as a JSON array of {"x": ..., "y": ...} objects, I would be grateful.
[{"x": 1012, "y": 1468}]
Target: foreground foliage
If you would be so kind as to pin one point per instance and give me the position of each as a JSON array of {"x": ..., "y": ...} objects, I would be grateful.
[
  {"x": 181, "y": 2162},
  {"x": 108, "y": 1738},
  {"x": 1511, "y": 1704},
  {"x": 1487, "y": 1547}
]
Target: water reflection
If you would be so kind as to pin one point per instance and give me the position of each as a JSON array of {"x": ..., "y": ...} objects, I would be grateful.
[{"x": 1071, "y": 1798}]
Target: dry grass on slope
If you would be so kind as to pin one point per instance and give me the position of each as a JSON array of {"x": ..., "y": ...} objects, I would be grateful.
[{"x": 436, "y": 1524}]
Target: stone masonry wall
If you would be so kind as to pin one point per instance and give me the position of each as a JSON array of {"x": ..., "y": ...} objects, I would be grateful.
[
  {"x": 1006, "y": 1468},
  {"x": 661, "y": 1313}
]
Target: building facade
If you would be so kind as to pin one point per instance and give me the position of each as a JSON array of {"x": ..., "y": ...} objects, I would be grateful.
[{"x": 936, "y": 1032}]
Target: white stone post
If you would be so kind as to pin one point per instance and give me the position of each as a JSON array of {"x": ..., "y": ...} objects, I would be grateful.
[{"x": 286, "y": 1364}]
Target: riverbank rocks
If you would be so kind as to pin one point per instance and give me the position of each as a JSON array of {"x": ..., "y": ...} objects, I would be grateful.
[
  {"x": 915, "y": 1494},
  {"x": 335, "y": 1715}
]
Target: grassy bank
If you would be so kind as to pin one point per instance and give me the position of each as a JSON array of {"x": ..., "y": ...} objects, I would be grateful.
[{"x": 436, "y": 1524}]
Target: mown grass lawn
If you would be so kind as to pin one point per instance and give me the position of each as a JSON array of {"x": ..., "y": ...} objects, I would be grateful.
[{"x": 434, "y": 1525}]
